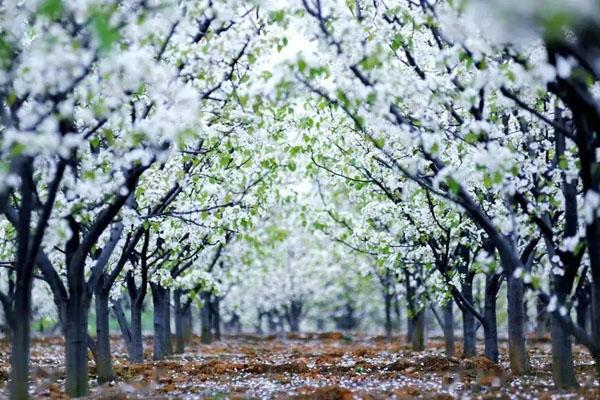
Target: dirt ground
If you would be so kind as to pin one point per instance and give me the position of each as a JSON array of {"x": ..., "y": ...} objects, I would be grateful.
[{"x": 307, "y": 366}]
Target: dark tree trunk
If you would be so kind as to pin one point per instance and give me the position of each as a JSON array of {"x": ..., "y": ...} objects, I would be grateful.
[
  {"x": 104, "y": 368},
  {"x": 398, "y": 312},
  {"x": 179, "y": 318},
  {"x": 205, "y": 317},
  {"x": 188, "y": 323},
  {"x": 541, "y": 320},
  {"x": 409, "y": 326},
  {"x": 271, "y": 322},
  {"x": 233, "y": 325},
  {"x": 258, "y": 326},
  {"x": 490, "y": 325},
  {"x": 76, "y": 346},
  {"x": 418, "y": 331},
  {"x": 168, "y": 335},
  {"x": 293, "y": 314},
  {"x": 449, "y": 328},
  {"x": 137, "y": 339},
  {"x": 183, "y": 322},
  {"x": 388, "y": 314},
  {"x": 216, "y": 317},
  {"x": 595, "y": 303},
  {"x": 563, "y": 370},
  {"x": 19, "y": 373},
  {"x": 160, "y": 301},
  {"x": 125, "y": 328},
  {"x": 469, "y": 331},
  {"x": 517, "y": 347},
  {"x": 582, "y": 309}
]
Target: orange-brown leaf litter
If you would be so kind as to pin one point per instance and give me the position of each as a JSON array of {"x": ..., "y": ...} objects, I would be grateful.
[{"x": 326, "y": 366}]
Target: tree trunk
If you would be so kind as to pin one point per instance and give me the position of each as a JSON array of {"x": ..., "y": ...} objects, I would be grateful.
[
  {"x": 563, "y": 370},
  {"x": 490, "y": 325},
  {"x": 418, "y": 331},
  {"x": 469, "y": 331},
  {"x": 206, "y": 336},
  {"x": 183, "y": 322},
  {"x": 104, "y": 368},
  {"x": 168, "y": 336},
  {"x": 582, "y": 310},
  {"x": 449, "y": 328},
  {"x": 136, "y": 354},
  {"x": 293, "y": 314},
  {"x": 188, "y": 323},
  {"x": 595, "y": 303},
  {"x": 123, "y": 326},
  {"x": 21, "y": 331},
  {"x": 388, "y": 314},
  {"x": 541, "y": 320},
  {"x": 76, "y": 346},
  {"x": 517, "y": 347},
  {"x": 409, "y": 326},
  {"x": 161, "y": 304},
  {"x": 398, "y": 312},
  {"x": 216, "y": 318},
  {"x": 270, "y": 321}
]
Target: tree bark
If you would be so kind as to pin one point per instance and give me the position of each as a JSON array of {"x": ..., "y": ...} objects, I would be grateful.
[
  {"x": 388, "y": 314},
  {"x": 168, "y": 335},
  {"x": 76, "y": 346},
  {"x": 563, "y": 370},
  {"x": 136, "y": 354},
  {"x": 469, "y": 331},
  {"x": 206, "y": 335},
  {"x": 541, "y": 320},
  {"x": 418, "y": 331},
  {"x": 490, "y": 325},
  {"x": 216, "y": 318},
  {"x": 21, "y": 332},
  {"x": 187, "y": 323},
  {"x": 103, "y": 358},
  {"x": 517, "y": 347},
  {"x": 449, "y": 328},
  {"x": 292, "y": 314},
  {"x": 582, "y": 311},
  {"x": 183, "y": 322},
  {"x": 161, "y": 304}
]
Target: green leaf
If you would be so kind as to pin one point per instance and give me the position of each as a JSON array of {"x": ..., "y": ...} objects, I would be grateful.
[
  {"x": 224, "y": 160},
  {"x": 471, "y": 137},
  {"x": 109, "y": 136},
  {"x": 51, "y": 9},
  {"x": 306, "y": 122},
  {"x": 301, "y": 65},
  {"x": 370, "y": 62},
  {"x": 6, "y": 52},
  {"x": 487, "y": 180},
  {"x": 397, "y": 41},
  {"x": 563, "y": 163},
  {"x": 107, "y": 35},
  {"x": 295, "y": 150},
  {"x": 277, "y": 16},
  {"x": 453, "y": 185}
]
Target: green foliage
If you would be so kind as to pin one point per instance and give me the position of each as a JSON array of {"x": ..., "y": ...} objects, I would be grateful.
[
  {"x": 106, "y": 34},
  {"x": 52, "y": 9}
]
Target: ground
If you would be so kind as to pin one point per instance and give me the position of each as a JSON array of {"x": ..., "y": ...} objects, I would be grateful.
[{"x": 326, "y": 366}]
